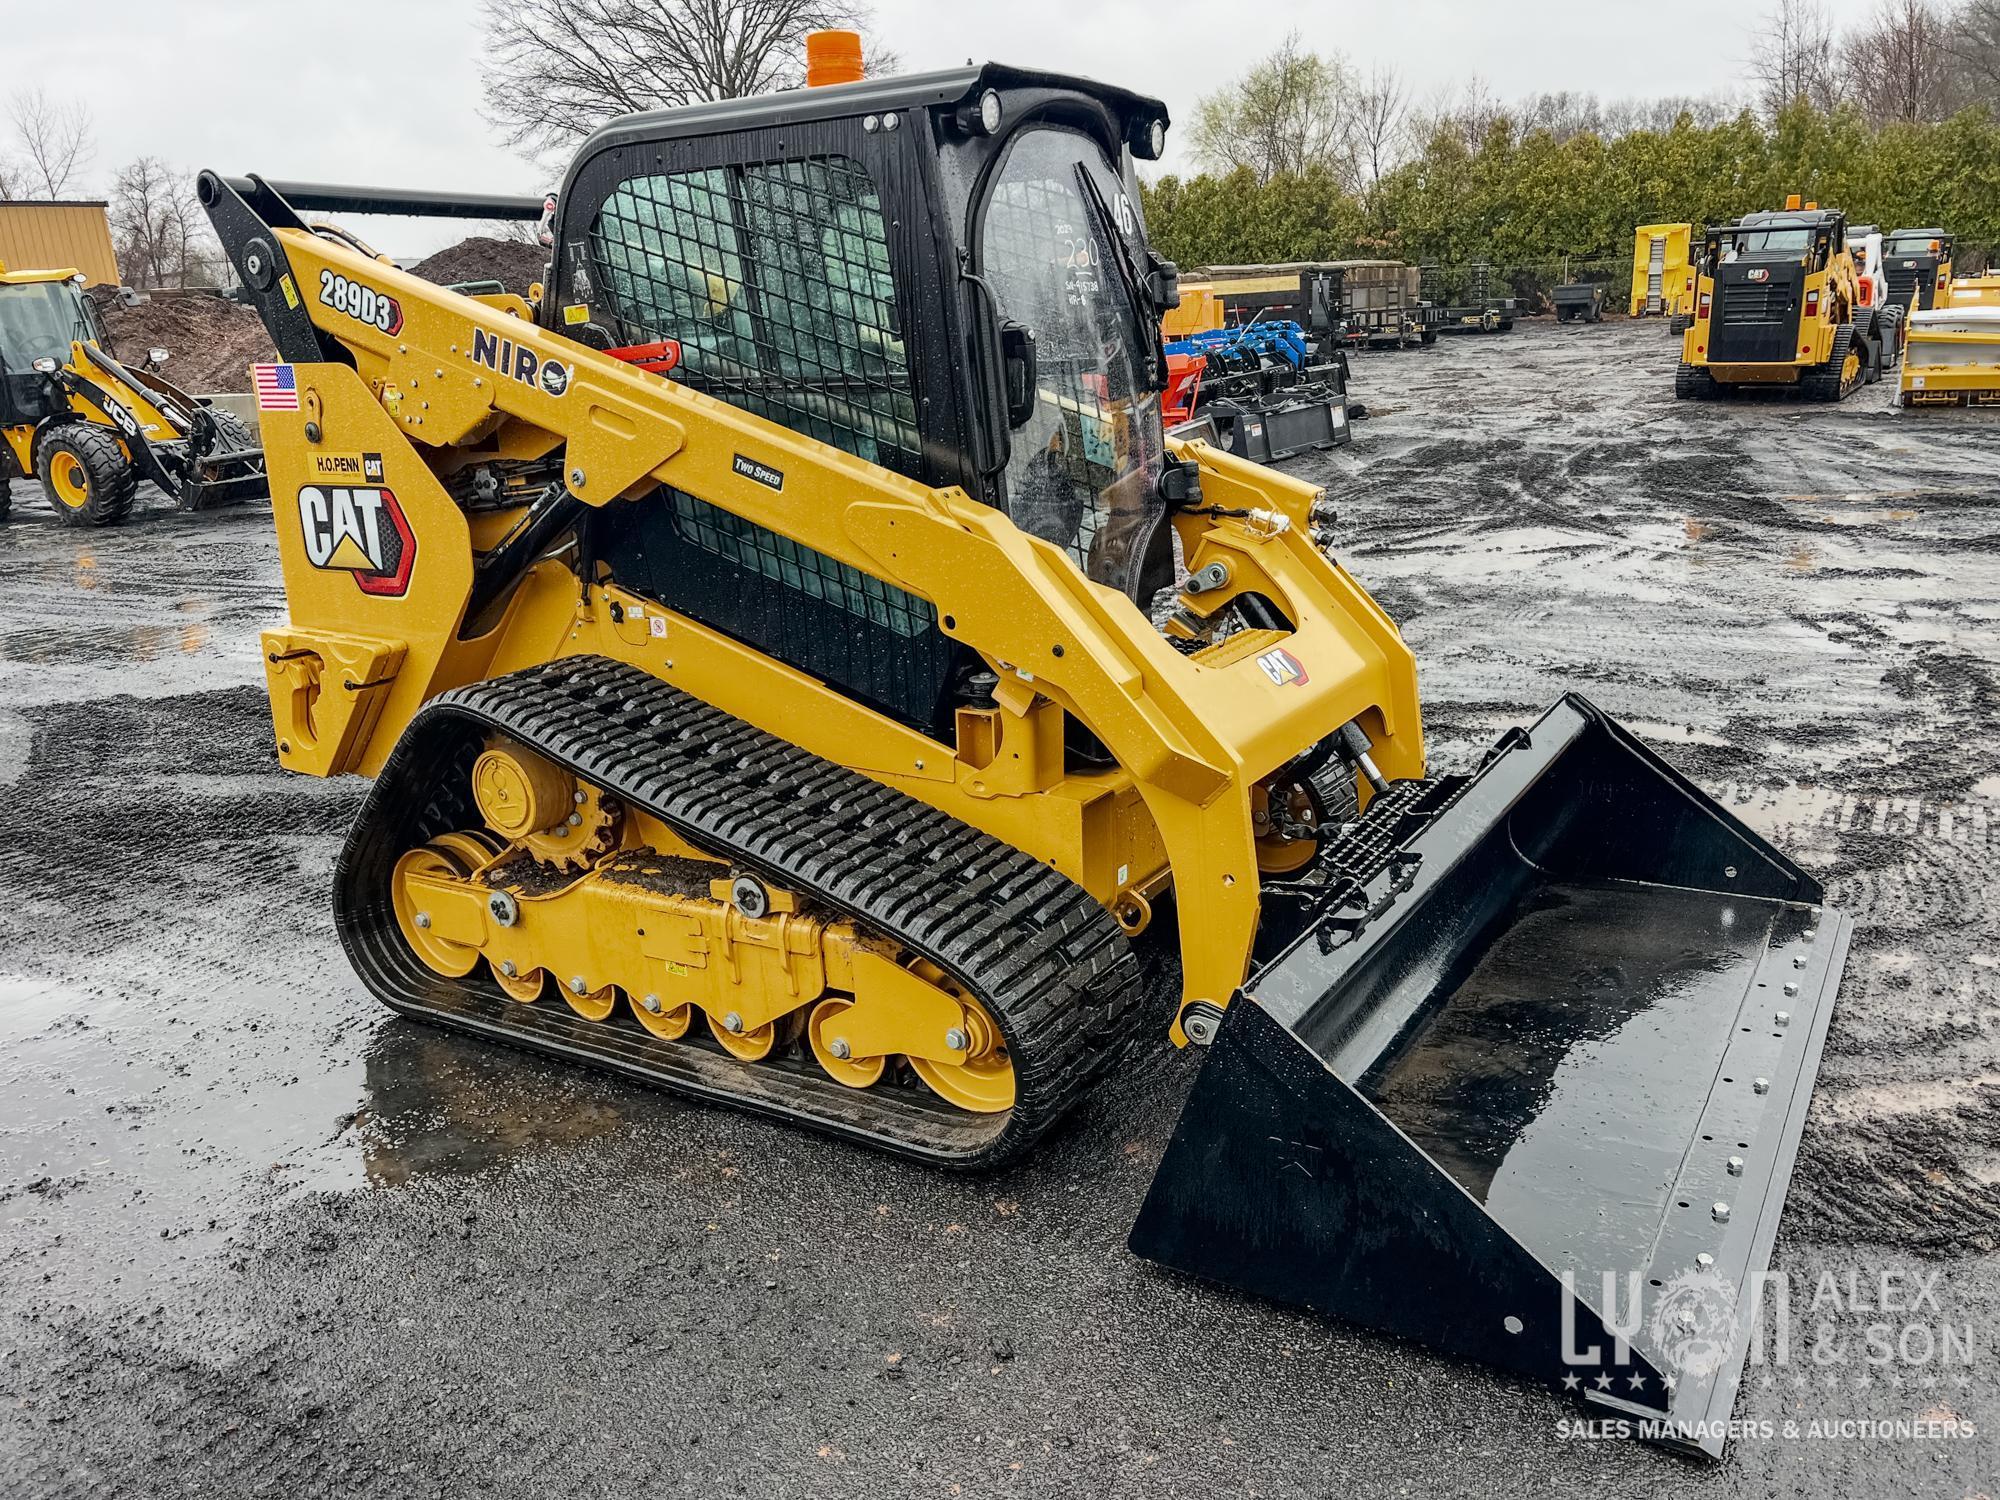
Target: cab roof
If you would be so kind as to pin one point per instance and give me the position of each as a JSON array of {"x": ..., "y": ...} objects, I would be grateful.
[
  {"x": 946, "y": 88},
  {"x": 26, "y": 278},
  {"x": 1789, "y": 218}
]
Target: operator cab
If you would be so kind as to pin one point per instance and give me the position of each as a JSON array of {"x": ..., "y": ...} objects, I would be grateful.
[
  {"x": 1805, "y": 237},
  {"x": 945, "y": 274},
  {"x": 1917, "y": 263},
  {"x": 42, "y": 313}
]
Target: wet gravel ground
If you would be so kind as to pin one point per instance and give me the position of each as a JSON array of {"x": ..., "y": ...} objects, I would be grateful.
[{"x": 256, "y": 1237}]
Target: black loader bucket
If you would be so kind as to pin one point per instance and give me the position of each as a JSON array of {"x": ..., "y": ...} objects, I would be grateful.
[{"x": 1528, "y": 1086}]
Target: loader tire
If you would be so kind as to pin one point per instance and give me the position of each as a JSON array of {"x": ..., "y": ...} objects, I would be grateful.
[
  {"x": 1678, "y": 324},
  {"x": 1892, "y": 335},
  {"x": 6, "y": 497},
  {"x": 86, "y": 475}
]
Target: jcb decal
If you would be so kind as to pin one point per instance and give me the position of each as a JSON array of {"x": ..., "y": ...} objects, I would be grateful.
[
  {"x": 361, "y": 531},
  {"x": 1283, "y": 668},
  {"x": 362, "y": 303},
  {"x": 518, "y": 362}
]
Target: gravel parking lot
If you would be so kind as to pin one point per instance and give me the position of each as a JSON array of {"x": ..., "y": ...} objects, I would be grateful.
[{"x": 261, "y": 1238}]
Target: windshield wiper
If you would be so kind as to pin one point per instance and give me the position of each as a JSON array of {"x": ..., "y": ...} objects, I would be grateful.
[{"x": 1128, "y": 277}]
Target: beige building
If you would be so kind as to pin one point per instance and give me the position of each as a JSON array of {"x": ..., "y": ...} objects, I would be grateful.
[{"x": 53, "y": 236}]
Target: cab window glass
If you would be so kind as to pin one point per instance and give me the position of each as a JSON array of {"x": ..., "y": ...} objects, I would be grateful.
[{"x": 776, "y": 280}]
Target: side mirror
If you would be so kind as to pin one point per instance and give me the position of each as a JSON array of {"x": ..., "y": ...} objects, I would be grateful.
[
  {"x": 156, "y": 356},
  {"x": 1019, "y": 374},
  {"x": 1163, "y": 283}
]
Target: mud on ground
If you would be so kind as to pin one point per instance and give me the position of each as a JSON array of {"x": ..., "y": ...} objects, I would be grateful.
[{"x": 261, "y": 1238}]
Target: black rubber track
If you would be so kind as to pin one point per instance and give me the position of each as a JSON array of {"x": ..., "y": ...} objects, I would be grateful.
[{"x": 1048, "y": 963}]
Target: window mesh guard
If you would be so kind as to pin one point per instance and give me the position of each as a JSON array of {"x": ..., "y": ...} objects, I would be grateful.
[{"x": 776, "y": 280}]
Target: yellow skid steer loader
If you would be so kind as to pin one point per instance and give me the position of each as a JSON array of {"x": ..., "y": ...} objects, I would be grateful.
[{"x": 752, "y": 641}]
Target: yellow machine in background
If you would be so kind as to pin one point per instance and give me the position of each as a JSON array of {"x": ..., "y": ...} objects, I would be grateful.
[
  {"x": 1952, "y": 357},
  {"x": 1663, "y": 271},
  {"x": 797, "y": 670},
  {"x": 90, "y": 427},
  {"x": 1974, "y": 291},
  {"x": 1778, "y": 302}
]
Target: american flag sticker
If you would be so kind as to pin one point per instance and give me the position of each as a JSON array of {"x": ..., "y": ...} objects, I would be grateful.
[{"x": 277, "y": 387}]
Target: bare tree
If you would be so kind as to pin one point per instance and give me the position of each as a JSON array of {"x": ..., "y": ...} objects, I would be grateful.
[
  {"x": 557, "y": 69},
  {"x": 1379, "y": 117},
  {"x": 162, "y": 236},
  {"x": 1898, "y": 65},
  {"x": 1563, "y": 114},
  {"x": 1465, "y": 113},
  {"x": 1795, "y": 57},
  {"x": 1293, "y": 110},
  {"x": 1974, "y": 42},
  {"x": 1623, "y": 116},
  {"x": 55, "y": 144}
]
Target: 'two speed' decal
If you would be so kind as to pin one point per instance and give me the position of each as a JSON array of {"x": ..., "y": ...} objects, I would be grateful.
[{"x": 358, "y": 528}]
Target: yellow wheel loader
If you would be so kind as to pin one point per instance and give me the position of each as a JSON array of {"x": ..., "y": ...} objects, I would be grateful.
[
  {"x": 90, "y": 426},
  {"x": 1778, "y": 303},
  {"x": 795, "y": 670}
]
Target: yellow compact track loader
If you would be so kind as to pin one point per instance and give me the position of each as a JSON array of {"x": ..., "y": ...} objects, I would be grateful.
[
  {"x": 1778, "y": 303},
  {"x": 90, "y": 427},
  {"x": 796, "y": 670}
]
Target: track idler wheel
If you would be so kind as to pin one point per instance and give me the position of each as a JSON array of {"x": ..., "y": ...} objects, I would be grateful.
[
  {"x": 983, "y": 1084},
  {"x": 592, "y": 1005},
  {"x": 526, "y": 988},
  {"x": 745, "y": 1046},
  {"x": 667, "y": 1022},
  {"x": 823, "y": 1031},
  {"x": 453, "y": 855}
]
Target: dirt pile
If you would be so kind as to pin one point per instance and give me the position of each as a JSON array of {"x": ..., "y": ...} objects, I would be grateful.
[
  {"x": 211, "y": 341},
  {"x": 512, "y": 263}
]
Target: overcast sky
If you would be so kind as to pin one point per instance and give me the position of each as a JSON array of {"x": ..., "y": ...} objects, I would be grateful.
[{"x": 387, "y": 91}]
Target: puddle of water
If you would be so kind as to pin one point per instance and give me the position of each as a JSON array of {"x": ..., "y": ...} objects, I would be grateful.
[
  {"x": 440, "y": 1104},
  {"x": 29, "y": 1006}
]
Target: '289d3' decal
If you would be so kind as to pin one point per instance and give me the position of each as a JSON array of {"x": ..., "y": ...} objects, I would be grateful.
[
  {"x": 359, "y": 530},
  {"x": 362, "y": 303}
]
